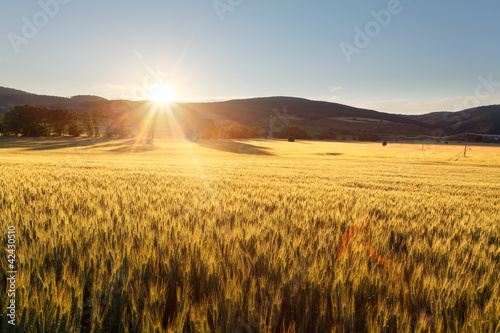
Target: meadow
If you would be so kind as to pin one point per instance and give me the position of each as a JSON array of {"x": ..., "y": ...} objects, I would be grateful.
[{"x": 243, "y": 236}]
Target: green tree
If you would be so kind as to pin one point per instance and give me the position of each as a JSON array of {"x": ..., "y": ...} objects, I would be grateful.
[
  {"x": 85, "y": 119},
  {"x": 60, "y": 120},
  {"x": 97, "y": 120},
  {"x": 118, "y": 125},
  {"x": 12, "y": 122},
  {"x": 28, "y": 120},
  {"x": 238, "y": 131}
]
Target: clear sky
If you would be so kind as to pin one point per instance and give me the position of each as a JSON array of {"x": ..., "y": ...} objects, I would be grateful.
[{"x": 395, "y": 56}]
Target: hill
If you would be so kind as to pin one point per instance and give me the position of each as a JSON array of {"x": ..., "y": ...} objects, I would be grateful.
[
  {"x": 484, "y": 120},
  {"x": 315, "y": 117},
  {"x": 12, "y": 97},
  {"x": 272, "y": 113}
]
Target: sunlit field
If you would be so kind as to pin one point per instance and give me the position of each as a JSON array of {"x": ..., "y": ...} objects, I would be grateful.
[{"x": 244, "y": 236}]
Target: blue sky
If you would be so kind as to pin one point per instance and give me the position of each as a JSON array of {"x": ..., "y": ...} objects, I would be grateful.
[{"x": 395, "y": 56}]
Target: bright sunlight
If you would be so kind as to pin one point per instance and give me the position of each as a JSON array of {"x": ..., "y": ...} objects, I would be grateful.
[{"x": 161, "y": 93}]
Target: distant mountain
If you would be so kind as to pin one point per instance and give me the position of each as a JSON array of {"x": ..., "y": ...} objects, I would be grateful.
[
  {"x": 484, "y": 120},
  {"x": 315, "y": 117},
  {"x": 272, "y": 113},
  {"x": 87, "y": 98},
  {"x": 12, "y": 97}
]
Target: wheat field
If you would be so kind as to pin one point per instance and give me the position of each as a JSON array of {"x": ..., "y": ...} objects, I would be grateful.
[{"x": 244, "y": 236}]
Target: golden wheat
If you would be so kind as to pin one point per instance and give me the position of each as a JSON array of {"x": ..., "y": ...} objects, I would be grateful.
[{"x": 245, "y": 236}]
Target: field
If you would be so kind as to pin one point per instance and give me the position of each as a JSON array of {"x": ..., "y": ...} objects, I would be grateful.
[{"x": 222, "y": 236}]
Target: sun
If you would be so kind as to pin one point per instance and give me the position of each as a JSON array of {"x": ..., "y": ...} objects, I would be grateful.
[{"x": 161, "y": 93}]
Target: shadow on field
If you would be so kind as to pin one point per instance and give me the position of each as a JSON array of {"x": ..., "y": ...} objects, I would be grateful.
[
  {"x": 236, "y": 147},
  {"x": 45, "y": 144},
  {"x": 124, "y": 145},
  {"x": 135, "y": 148},
  {"x": 329, "y": 154}
]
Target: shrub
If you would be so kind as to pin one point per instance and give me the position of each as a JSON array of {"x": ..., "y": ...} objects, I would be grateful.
[{"x": 291, "y": 139}]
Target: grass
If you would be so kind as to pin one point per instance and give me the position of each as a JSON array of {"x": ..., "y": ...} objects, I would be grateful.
[{"x": 244, "y": 236}]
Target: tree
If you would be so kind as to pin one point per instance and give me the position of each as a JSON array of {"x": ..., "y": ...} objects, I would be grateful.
[
  {"x": 74, "y": 130},
  {"x": 223, "y": 133},
  {"x": 26, "y": 120},
  {"x": 29, "y": 120},
  {"x": 152, "y": 123},
  {"x": 60, "y": 120},
  {"x": 118, "y": 125},
  {"x": 255, "y": 132},
  {"x": 238, "y": 131},
  {"x": 211, "y": 131},
  {"x": 97, "y": 119},
  {"x": 85, "y": 119},
  {"x": 12, "y": 122}
]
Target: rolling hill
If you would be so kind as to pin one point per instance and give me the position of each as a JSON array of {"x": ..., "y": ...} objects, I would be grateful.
[
  {"x": 315, "y": 117},
  {"x": 484, "y": 120},
  {"x": 12, "y": 97}
]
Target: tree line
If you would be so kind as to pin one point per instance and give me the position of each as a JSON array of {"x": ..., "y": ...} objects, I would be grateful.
[
  {"x": 234, "y": 131},
  {"x": 28, "y": 120},
  {"x": 34, "y": 121}
]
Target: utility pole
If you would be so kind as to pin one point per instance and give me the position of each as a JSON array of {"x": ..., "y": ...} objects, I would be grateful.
[
  {"x": 465, "y": 151},
  {"x": 270, "y": 126}
]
